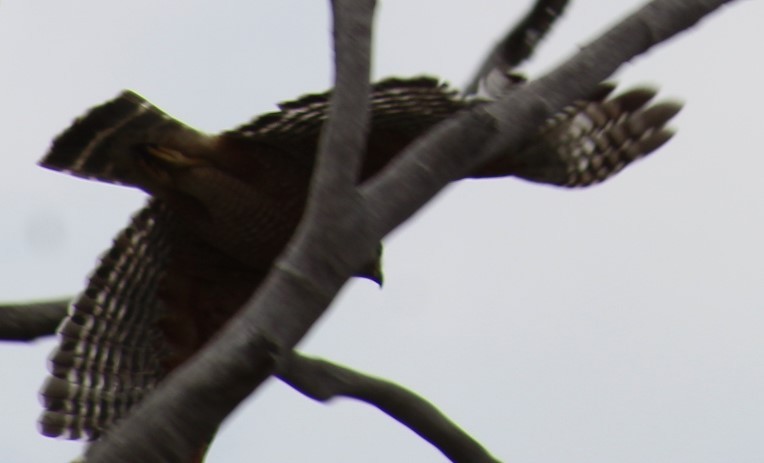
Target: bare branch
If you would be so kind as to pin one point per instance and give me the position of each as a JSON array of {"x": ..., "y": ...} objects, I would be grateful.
[
  {"x": 344, "y": 138},
  {"x": 187, "y": 407},
  {"x": 29, "y": 321},
  {"x": 520, "y": 43},
  {"x": 333, "y": 196},
  {"x": 322, "y": 380}
]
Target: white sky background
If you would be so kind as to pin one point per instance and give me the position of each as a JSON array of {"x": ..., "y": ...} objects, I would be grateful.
[{"x": 622, "y": 323}]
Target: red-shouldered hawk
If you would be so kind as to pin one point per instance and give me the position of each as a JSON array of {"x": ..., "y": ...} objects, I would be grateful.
[{"x": 224, "y": 206}]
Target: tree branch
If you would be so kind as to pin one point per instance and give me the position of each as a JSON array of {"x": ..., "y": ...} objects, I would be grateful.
[
  {"x": 187, "y": 407},
  {"x": 520, "y": 43},
  {"x": 29, "y": 321},
  {"x": 322, "y": 381},
  {"x": 334, "y": 199}
]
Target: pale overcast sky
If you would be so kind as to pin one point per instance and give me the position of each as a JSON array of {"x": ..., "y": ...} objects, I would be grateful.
[{"x": 621, "y": 323}]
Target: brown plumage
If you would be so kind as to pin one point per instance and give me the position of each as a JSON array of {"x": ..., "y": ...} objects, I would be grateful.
[{"x": 224, "y": 206}]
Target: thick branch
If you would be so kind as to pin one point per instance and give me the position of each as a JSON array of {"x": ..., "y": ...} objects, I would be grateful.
[
  {"x": 190, "y": 404},
  {"x": 333, "y": 198},
  {"x": 340, "y": 151},
  {"x": 520, "y": 43},
  {"x": 28, "y": 321},
  {"x": 322, "y": 381}
]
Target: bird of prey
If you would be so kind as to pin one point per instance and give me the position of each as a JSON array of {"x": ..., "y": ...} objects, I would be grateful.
[{"x": 222, "y": 207}]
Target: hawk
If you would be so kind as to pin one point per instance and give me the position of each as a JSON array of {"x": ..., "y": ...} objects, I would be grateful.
[{"x": 222, "y": 207}]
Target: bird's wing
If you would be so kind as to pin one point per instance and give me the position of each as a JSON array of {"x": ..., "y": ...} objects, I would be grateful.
[
  {"x": 110, "y": 350},
  {"x": 585, "y": 143},
  {"x": 109, "y": 143},
  {"x": 401, "y": 110}
]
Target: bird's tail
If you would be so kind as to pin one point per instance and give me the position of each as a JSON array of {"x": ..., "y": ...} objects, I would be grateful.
[
  {"x": 106, "y": 143},
  {"x": 590, "y": 140}
]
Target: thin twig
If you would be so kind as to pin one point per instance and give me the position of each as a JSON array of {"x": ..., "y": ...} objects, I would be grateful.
[
  {"x": 521, "y": 41},
  {"x": 322, "y": 380},
  {"x": 31, "y": 320}
]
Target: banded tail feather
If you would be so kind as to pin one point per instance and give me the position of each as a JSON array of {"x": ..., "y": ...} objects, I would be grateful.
[{"x": 109, "y": 142}]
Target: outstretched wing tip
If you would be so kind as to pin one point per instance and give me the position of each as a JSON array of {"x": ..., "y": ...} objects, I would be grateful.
[{"x": 593, "y": 139}]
